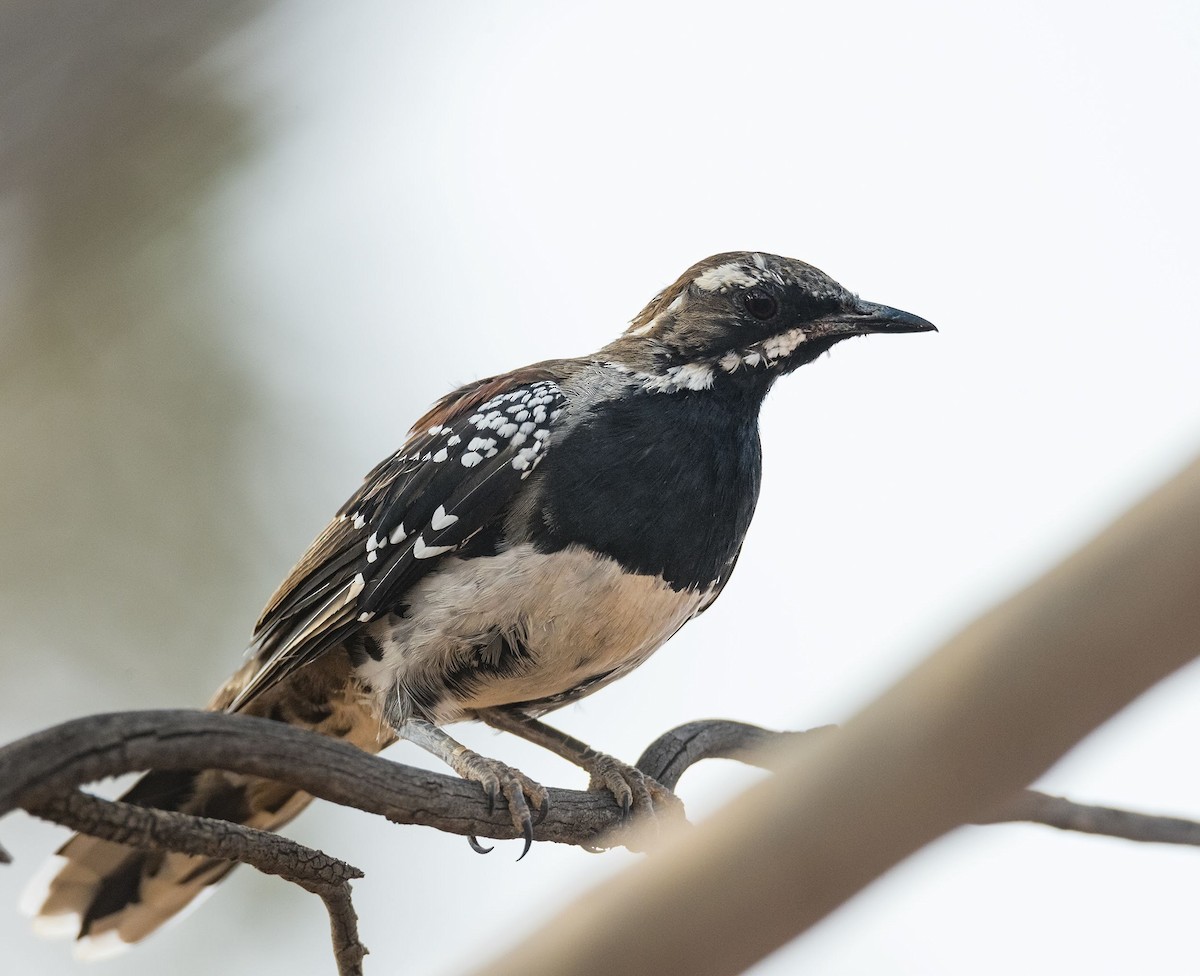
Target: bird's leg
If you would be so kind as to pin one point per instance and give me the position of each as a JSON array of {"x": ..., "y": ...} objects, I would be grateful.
[
  {"x": 494, "y": 776},
  {"x": 634, "y": 790}
]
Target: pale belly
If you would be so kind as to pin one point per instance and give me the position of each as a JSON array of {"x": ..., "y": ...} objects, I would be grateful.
[{"x": 520, "y": 627}]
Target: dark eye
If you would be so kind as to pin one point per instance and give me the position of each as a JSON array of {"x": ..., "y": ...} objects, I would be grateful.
[{"x": 761, "y": 305}]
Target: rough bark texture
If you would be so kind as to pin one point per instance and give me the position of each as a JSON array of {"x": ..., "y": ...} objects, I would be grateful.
[{"x": 41, "y": 774}]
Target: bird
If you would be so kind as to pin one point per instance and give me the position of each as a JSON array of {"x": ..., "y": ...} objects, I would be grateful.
[{"x": 539, "y": 535}]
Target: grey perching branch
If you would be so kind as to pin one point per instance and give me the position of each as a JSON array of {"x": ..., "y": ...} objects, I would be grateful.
[{"x": 41, "y": 774}]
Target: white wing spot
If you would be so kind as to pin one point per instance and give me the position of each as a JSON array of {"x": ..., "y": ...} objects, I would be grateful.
[
  {"x": 441, "y": 520},
  {"x": 441, "y": 455},
  {"x": 422, "y": 551},
  {"x": 470, "y": 459},
  {"x": 398, "y": 534},
  {"x": 526, "y": 456}
]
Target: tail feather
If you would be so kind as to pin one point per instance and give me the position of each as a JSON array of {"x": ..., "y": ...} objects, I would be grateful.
[{"x": 109, "y": 895}]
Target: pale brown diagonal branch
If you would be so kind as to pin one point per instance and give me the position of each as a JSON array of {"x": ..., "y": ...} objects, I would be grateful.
[{"x": 951, "y": 743}]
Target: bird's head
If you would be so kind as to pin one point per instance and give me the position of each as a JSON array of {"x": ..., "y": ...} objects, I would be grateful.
[{"x": 745, "y": 317}]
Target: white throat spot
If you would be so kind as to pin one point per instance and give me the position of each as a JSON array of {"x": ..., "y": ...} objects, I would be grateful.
[{"x": 784, "y": 344}]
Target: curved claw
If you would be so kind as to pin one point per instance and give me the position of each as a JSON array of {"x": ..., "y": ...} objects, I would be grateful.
[
  {"x": 477, "y": 847},
  {"x": 542, "y": 812},
  {"x": 519, "y": 791},
  {"x": 626, "y": 807},
  {"x": 527, "y": 833}
]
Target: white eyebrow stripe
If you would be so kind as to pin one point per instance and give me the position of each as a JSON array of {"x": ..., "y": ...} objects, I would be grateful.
[{"x": 724, "y": 277}]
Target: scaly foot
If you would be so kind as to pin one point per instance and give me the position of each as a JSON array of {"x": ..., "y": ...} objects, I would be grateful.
[
  {"x": 637, "y": 793},
  {"x": 520, "y": 792}
]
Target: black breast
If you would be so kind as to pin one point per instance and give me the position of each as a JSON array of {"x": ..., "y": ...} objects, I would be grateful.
[{"x": 665, "y": 483}]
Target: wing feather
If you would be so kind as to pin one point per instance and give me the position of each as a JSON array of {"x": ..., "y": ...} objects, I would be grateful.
[{"x": 456, "y": 473}]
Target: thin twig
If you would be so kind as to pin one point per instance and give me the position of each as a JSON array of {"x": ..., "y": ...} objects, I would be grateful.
[
  {"x": 1032, "y": 806},
  {"x": 669, "y": 756},
  {"x": 348, "y": 951},
  {"x": 163, "y": 830},
  {"x": 672, "y": 753}
]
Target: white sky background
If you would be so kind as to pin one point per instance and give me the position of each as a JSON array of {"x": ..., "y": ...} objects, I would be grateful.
[{"x": 447, "y": 191}]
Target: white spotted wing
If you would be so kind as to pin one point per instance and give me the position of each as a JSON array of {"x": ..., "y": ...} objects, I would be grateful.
[{"x": 453, "y": 479}]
